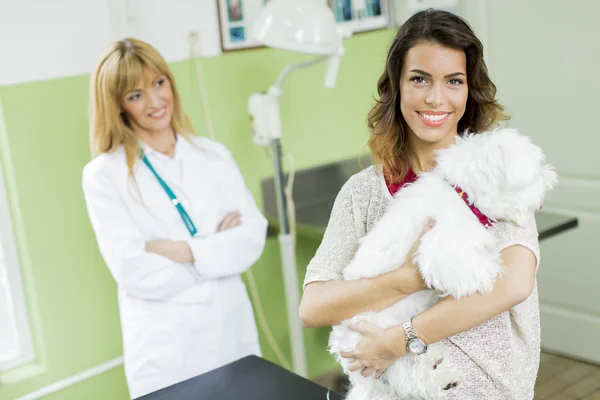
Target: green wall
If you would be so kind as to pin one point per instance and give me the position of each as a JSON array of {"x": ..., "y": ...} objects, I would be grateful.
[{"x": 44, "y": 146}]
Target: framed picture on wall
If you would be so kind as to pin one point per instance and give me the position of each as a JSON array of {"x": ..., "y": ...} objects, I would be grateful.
[
  {"x": 360, "y": 15},
  {"x": 235, "y": 21}
]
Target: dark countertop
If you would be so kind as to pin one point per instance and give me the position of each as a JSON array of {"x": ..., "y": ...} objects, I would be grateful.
[
  {"x": 249, "y": 378},
  {"x": 315, "y": 190},
  {"x": 550, "y": 224},
  {"x": 312, "y": 220}
]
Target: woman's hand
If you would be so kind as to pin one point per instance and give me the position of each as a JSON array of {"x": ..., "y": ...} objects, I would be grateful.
[
  {"x": 231, "y": 220},
  {"x": 377, "y": 350},
  {"x": 408, "y": 278},
  {"x": 177, "y": 251}
]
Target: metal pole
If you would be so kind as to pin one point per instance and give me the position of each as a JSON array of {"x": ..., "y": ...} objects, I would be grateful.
[
  {"x": 287, "y": 248},
  {"x": 282, "y": 208},
  {"x": 287, "y": 241}
]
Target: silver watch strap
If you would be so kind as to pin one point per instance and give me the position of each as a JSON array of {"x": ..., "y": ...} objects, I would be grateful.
[{"x": 408, "y": 330}]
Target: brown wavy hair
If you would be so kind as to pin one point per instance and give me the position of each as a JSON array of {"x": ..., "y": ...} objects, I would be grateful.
[{"x": 388, "y": 140}]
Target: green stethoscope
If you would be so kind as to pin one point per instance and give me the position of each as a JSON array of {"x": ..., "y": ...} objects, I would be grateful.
[{"x": 184, "y": 215}]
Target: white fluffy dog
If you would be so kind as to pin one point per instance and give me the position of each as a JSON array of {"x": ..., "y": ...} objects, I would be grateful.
[{"x": 505, "y": 176}]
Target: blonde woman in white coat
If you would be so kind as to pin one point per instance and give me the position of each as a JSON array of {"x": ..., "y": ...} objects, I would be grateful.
[{"x": 183, "y": 306}]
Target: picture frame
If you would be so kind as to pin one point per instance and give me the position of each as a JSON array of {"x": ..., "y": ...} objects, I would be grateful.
[
  {"x": 360, "y": 15},
  {"x": 235, "y": 21}
]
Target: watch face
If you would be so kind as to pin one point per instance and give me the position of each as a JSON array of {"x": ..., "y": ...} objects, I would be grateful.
[{"x": 416, "y": 346}]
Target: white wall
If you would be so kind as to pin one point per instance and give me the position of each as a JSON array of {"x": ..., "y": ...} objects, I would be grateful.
[
  {"x": 545, "y": 60},
  {"x": 45, "y": 39}
]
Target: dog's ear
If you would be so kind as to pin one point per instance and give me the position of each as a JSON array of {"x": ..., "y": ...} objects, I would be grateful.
[
  {"x": 522, "y": 160},
  {"x": 526, "y": 167},
  {"x": 527, "y": 177}
]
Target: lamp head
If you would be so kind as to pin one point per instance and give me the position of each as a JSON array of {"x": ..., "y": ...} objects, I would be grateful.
[{"x": 303, "y": 26}]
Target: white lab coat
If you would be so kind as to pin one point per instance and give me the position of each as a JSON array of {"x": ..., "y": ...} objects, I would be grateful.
[{"x": 178, "y": 320}]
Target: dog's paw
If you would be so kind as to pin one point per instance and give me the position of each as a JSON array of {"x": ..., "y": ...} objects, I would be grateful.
[
  {"x": 438, "y": 361},
  {"x": 434, "y": 356},
  {"x": 448, "y": 378}
]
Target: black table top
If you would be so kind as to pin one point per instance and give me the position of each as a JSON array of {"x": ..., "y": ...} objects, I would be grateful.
[
  {"x": 312, "y": 220},
  {"x": 249, "y": 378},
  {"x": 315, "y": 190},
  {"x": 550, "y": 224}
]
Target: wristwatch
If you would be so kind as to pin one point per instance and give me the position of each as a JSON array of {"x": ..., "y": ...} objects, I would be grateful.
[{"x": 413, "y": 343}]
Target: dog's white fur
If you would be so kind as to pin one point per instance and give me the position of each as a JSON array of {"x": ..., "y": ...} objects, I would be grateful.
[{"x": 506, "y": 177}]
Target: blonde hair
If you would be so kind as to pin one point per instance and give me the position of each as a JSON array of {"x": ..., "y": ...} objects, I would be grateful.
[{"x": 120, "y": 68}]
